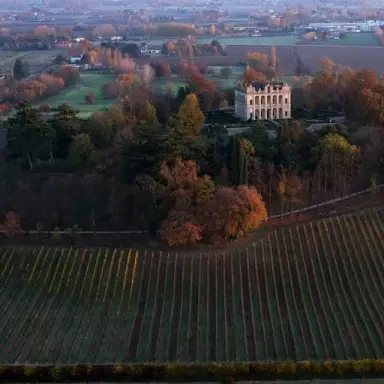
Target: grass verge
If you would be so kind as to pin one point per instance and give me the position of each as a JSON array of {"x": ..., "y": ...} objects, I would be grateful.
[{"x": 302, "y": 370}]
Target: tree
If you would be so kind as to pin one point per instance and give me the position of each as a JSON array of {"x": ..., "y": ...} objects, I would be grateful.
[
  {"x": 66, "y": 124},
  {"x": 80, "y": 150},
  {"x": 147, "y": 113},
  {"x": 184, "y": 198},
  {"x": 12, "y": 224},
  {"x": 20, "y": 69},
  {"x": 258, "y": 61},
  {"x": 310, "y": 36},
  {"x": 233, "y": 212},
  {"x": 273, "y": 59},
  {"x": 337, "y": 160},
  {"x": 327, "y": 65},
  {"x": 238, "y": 164},
  {"x": 190, "y": 117},
  {"x": 250, "y": 75},
  {"x": 90, "y": 98},
  {"x": 30, "y": 136},
  {"x": 226, "y": 71}
]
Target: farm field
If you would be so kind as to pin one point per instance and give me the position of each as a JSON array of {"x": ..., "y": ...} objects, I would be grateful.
[
  {"x": 351, "y": 39},
  {"x": 310, "y": 291},
  {"x": 89, "y": 82},
  {"x": 247, "y": 40},
  {"x": 37, "y": 60}
]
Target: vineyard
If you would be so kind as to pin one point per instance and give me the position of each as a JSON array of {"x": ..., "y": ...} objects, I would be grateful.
[{"x": 311, "y": 291}]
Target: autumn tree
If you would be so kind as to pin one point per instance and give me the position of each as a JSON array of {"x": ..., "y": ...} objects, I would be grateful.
[
  {"x": 327, "y": 65},
  {"x": 273, "y": 59},
  {"x": 190, "y": 117},
  {"x": 250, "y": 75},
  {"x": 337, "y": 162},
  {"x": 105, "y": 30},
  {"x": 310, "y": 36},
  {"x": 244, "y": 212},
  {"x": 12, "y": 224},
  {"x": 44, "y": 32},
  {"x": 90, "y": 98},
  {"x": 185, "y": 196},
  {"x": 258, "y": 61}
]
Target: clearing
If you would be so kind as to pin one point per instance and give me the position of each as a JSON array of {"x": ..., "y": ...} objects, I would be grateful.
[
  {"x": 89, "y": 82},
  {"x": 37, "y": 60}
]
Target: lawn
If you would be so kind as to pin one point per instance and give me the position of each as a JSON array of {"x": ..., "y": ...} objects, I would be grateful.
[
  {"x": 306, "y": 292},
  {"x": 89, "y": 82},
  {"x": 174, "y": 82}
]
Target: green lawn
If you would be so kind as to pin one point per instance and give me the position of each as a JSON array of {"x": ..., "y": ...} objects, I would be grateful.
[
  {"x": 89, "y": 82},
  {"x": 224, "y": 82}
]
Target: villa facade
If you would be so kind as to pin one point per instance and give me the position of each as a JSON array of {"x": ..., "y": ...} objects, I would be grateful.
[{"x": 263, "y": 101}]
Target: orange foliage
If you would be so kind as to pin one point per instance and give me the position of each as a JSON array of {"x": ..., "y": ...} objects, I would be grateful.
[
  {"x": 43, "y": 31},
  {"x": 178, "y": 230},
  {"x": 251, "y": 75},
  {"x": 105, "y": 30},
  {"x": 198, "y": 211},
  {"x": 232, "y": 213},
  {"x": 183, "y": 173},
  {"x": 257, "y": 60},
  {"x": 12, "y": 224}
]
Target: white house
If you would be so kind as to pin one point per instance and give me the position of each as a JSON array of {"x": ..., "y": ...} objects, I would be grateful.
[{"x": 263, "y": 100}]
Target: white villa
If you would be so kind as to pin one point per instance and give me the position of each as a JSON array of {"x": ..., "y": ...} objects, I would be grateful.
[{"x": 262, "y": 101}]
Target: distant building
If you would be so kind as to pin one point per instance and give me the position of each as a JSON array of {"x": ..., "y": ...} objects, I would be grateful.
[
  {"x": 116, "y": 38},
  {"x": 262, "y": 101},
  {"x": 63, "y": 44}
]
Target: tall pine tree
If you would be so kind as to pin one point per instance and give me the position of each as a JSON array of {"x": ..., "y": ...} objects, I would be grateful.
[{"x": 20, "y": 69}]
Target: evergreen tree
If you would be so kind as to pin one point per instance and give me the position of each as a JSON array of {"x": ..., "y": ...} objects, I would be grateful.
[
  {"x": 20, "y": 69},
  {"x": 238, "y": 163}
]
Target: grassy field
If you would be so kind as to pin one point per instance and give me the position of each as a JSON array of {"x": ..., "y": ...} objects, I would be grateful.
[
  {"x": 313, "y": 291},
  {"x": 224, "y": 82},
  {"x": 37, "y": 60},
  {"x": 89, "y": 82}
]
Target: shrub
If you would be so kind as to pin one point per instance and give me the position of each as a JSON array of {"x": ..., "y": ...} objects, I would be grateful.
[
  {"x": 56, "y": 373},
  {"x": 12, "y": 224},
  {"x": 44, "y": 108},
  {"x": 90, "y": 98},
  {"x": 29, "y": 371}
]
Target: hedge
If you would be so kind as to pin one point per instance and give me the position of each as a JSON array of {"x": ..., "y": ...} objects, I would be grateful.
[{"x": 302, "y": 370}]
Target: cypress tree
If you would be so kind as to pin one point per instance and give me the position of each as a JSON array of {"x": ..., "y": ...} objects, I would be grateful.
[{"x": 234, "y": 161}]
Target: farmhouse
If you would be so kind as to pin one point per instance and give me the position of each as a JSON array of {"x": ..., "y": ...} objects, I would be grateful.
[{"x": 261, "y": 101}]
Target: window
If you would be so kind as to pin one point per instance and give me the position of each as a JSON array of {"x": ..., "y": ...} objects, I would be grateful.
[
  {"x": 286, "y": 100},
  {"x": 250, "y": 102},
  {"x": 286, "y": 113},
  {"x": 251, "y": 115}
]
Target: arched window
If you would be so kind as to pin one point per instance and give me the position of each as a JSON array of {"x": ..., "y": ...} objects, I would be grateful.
[{"x": 257, "y": 100}]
